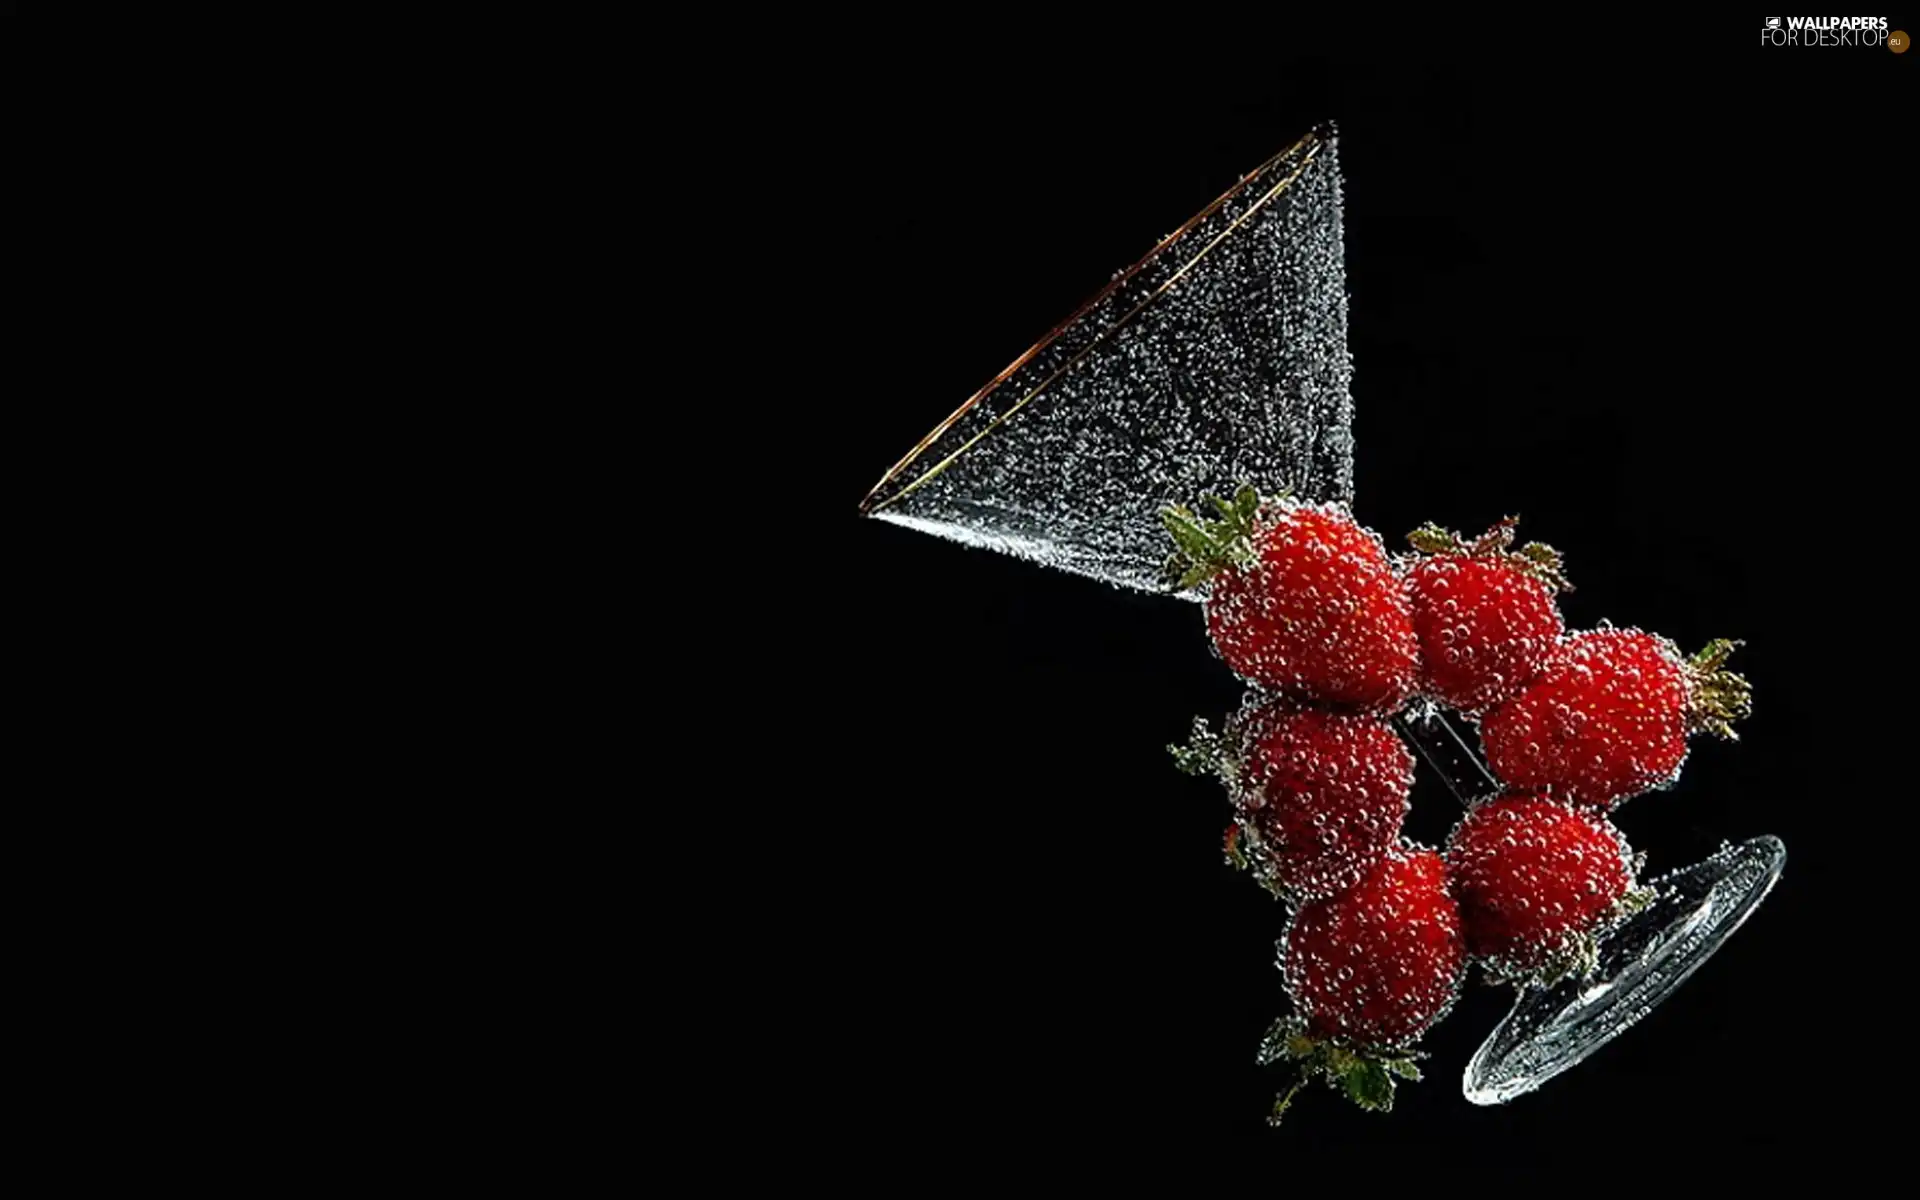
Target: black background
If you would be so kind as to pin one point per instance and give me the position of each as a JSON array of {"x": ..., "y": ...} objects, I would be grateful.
[{"x": 1651, "y": 296}]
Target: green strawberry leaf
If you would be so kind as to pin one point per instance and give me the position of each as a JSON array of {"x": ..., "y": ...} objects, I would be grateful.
[
  {"x": 1196, "y": 575},
  {"x": 1274, "y": 1045},
  {"x": 1713, "y": 655},
  {"x": 1636, "y": 900},
  {"x": 1370, "y": 1086},
  {"x": 1246, "y": 502},
  {"x": 1193, "y": 541},
  {"x": 1205, "y": 753},
  {"x": 1236, "y": 857},
  {"x": 1432, "y": 539},
  {"x": 1207, "y": 546},
  {"x": 1405, "y": 1068}
]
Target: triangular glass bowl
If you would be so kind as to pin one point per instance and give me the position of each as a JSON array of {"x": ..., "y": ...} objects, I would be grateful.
[{"x": 1218, "y": 359}]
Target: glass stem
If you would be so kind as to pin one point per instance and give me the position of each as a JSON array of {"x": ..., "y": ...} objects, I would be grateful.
[{"x": 1431, "y": 733}]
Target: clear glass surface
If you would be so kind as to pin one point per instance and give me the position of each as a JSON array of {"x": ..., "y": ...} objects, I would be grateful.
[
  {"x": 1218, "y": 359},
  {"x": 1641, "y": 963}
]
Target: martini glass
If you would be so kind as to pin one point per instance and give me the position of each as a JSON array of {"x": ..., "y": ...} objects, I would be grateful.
[{"x": 1219, "y": 359}]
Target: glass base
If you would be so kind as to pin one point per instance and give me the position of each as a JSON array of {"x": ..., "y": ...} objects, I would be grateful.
[{"x": 1641, "y": 963}]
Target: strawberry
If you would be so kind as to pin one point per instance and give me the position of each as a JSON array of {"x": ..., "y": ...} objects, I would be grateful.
[
  {"x": 1610, "y": 716},
  {"x": 1369, "y": 970},
  {"x": 1377, "y": 964},
  {"x": 1302, "y": 600},
  {"x": 1536, "y": 879},
  {"x": 1319, "y": 795},
  {"x": 1484, "y": 614}
]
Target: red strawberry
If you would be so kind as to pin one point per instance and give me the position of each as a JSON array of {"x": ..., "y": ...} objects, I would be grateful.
[
  {"x": 1535, "y": 878},
  {"x": 1303, "y": 601},
  {"x": 1369, "y": 971},
  {"x": 1378, "y": 964},
  {"x": 1320, "y": 795},
  {"x": 1609, "y": 717},
  {"x": 1484, "y": 614}
]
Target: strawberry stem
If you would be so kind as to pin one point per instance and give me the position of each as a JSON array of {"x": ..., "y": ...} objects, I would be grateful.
[
  {"x": 1498, "y": 539},
  {"x": 1536, "y": 559},
  {"x": 1636, "y": 900},
  {"x": 1206, "y": 546},
  {"x": 1210, "y": 753},
  {"x": 1285, "y": 1100},
  {"x": 1246, "y": 853},
  {"x": 1205, "y": 753},
  {"x": 1365, "y": 1074},
  {"x": 1716, "y": 697},
  {"x": 1236, "y": 857},
  {"x": 1431, "y": 539},
  {"x": 1577, "y": 958}
]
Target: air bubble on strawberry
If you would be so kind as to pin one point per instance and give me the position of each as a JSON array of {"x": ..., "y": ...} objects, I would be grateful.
[
  {"x": 1609, "y": 718},
  {"x": 1301, "y": 599},
  {"x": 1319, "y": 796},
  {"x": 1484, "y": 613},
  {"x": 1369, "y": 971},
  {"x": 1538, "y": 882}
]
